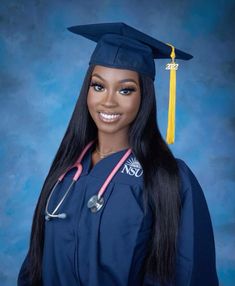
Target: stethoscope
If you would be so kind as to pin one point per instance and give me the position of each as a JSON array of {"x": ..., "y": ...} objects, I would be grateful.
[{"x": 96, "y": 202}]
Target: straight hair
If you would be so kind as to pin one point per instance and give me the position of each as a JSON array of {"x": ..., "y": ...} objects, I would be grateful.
[{"x": 160, "y": 177}]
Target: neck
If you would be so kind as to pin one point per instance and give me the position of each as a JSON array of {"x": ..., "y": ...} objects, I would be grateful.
[{"x": 108, "y": 142}]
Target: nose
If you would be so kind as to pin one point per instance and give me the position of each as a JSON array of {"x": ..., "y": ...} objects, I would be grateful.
[{"x": 110, "y": 99}]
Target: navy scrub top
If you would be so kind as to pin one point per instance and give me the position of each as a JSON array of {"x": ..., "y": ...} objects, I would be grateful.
[{"x": 107, "y": 248}]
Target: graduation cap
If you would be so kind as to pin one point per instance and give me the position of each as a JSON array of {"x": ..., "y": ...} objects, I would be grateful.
[{"x": 122, "y": 46}]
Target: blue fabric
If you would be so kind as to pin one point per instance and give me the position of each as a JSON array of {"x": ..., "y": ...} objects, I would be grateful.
[
  {"x": 107, "y": 248},
  {"x": 122, "y": 46}
]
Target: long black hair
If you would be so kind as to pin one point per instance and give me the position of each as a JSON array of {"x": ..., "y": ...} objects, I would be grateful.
[{"x": 161, "y": 181}]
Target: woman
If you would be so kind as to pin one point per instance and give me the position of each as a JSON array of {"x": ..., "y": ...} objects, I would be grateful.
[{"x": 149, "y": 224}]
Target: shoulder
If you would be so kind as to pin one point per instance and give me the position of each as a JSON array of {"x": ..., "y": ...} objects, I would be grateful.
[
  {"x": 189, "y": 184},
  {"x": 184, "y": 168}
]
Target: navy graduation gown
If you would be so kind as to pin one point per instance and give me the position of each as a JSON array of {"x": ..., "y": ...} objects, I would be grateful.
[
  {"x": 108, "y": 247},
  {"x": 196, "y": 260}
]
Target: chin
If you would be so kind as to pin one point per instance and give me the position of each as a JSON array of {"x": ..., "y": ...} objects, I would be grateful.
[{"x": 107, "y": 129}]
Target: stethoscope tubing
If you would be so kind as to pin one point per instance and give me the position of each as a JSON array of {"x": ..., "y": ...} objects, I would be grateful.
[{"x": 96, "y": 201}]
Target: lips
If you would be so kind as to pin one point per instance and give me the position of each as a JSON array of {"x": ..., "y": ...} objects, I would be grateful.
[{"x": 109, "y": 117}]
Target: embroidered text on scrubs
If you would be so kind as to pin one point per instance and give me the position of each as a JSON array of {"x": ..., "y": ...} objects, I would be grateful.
[{"x": 132, "y": 167}]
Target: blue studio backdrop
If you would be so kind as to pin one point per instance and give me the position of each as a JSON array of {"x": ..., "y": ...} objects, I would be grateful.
[{"x": 42, "y": 69}]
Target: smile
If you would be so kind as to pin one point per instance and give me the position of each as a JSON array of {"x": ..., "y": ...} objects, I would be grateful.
[{"x": 109, "y": 117}]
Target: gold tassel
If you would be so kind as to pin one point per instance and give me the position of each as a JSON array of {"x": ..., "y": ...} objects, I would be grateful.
[{"x": 170, "y": 137}]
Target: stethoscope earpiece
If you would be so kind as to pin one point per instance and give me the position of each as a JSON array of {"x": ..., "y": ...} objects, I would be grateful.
[
  {"x": 63, "y": 215},
  {"x": 47, "y": 217}
]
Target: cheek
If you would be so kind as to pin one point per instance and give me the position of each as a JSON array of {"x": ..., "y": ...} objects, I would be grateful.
[
  {"x": 91, "y": 100},
  {"x": 133, "y": 105}
]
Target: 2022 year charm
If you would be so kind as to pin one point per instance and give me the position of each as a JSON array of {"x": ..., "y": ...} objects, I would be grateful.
[{"x": 95, "y": 203}]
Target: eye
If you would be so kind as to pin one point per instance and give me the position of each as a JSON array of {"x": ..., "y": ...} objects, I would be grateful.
[
  {"x": 127, "y": 91},
  {"x": 96, "y": 86}
]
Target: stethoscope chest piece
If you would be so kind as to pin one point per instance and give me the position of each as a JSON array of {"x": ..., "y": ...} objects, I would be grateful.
[{"x": 95, "y": 203}]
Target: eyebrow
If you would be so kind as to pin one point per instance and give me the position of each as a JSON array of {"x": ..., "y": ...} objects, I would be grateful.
[{"x": 120, "y": 81}]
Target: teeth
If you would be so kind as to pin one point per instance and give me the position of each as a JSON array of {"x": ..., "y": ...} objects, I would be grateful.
[{"x": 109, "y": 116}]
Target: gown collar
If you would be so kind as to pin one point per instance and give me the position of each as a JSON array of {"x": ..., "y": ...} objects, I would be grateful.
[{"x": 104, "y": 166}]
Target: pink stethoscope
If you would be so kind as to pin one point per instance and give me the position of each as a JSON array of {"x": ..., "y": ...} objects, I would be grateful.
[{"x": 95, "y": 202}]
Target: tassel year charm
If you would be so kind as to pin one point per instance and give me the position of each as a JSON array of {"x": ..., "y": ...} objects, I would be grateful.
[{"x": 172, "y": 66}]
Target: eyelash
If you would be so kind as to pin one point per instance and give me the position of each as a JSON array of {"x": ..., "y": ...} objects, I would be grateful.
[{"x": 129, "y": 89}]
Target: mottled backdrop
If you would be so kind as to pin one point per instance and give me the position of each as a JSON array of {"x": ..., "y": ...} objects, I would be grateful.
[{"x": 42, "y": 68}]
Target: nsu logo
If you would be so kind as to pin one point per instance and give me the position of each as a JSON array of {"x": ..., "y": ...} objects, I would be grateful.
[{"x": 132, "y": 167}]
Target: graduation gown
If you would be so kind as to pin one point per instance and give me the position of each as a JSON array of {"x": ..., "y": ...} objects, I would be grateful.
[{"x": 108, "y": 247}]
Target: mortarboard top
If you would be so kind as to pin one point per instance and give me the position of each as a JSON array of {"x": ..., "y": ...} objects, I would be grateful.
[{"x": 122, "y": 46}]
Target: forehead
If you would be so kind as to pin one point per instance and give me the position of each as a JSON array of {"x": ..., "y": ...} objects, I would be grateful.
[{"x": 114, "y": 73}]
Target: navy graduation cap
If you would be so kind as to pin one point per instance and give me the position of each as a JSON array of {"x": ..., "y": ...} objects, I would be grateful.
[{"x": 122, "y": 46}]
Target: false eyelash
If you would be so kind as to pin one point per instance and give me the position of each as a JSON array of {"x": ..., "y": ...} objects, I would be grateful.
[
  {"x": 96, "y": 83},
  {"x": 128, "y": 88}
]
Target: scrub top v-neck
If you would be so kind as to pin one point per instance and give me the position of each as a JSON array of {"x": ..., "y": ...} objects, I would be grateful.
[{"x": 103, "y": 248}]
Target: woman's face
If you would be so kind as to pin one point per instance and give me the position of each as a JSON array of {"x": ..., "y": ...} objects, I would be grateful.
[{"x": 113, "y": 98}]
